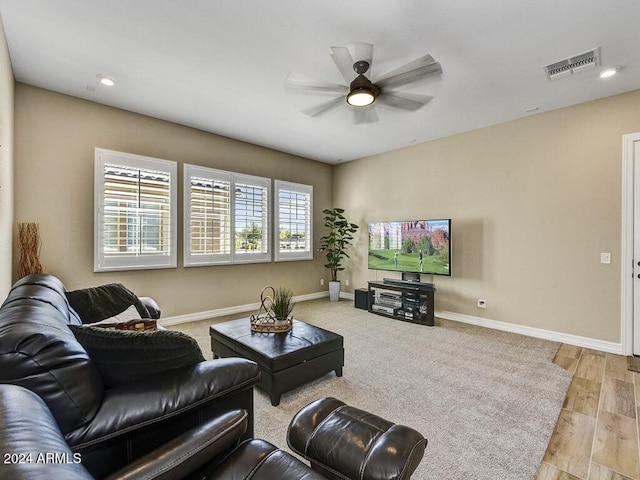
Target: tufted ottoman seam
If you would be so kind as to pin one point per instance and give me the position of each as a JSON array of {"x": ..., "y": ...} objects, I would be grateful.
[
  {"x": 255, "y": 469},
  {"x": 407, "y": 463},
  {"x": 324, "y": 420},
  {"x": 365, "y": 460}
]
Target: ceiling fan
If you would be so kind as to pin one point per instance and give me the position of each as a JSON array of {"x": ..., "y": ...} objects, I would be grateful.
[{"x": 362, "y": 94}]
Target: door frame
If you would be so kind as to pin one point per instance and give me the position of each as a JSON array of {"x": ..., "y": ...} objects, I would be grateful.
[{"x": 627, "y": 267}]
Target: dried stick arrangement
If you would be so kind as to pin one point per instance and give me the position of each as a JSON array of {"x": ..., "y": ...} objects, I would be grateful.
[{"x": 29, "y": 242}]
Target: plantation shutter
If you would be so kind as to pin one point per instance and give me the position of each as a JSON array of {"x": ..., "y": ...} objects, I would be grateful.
[
  {"x": 135, "y": 218},
  {"x": 226, "y": 217},
  {"x": 207, "y": 216},
  {"x": 294, "y": 217},
  {"x": 251, "y": 218}
]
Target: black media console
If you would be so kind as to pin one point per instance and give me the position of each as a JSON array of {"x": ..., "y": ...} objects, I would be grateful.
[{"x": 403, "y": 300}]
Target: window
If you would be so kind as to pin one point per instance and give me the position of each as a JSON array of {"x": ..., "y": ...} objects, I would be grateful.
[
  {"x": 208, "y": 210},
  {"x": 294, "y": 207},
  {"x": 135, "y": 212},
  {"x": 226, "y": 217}
]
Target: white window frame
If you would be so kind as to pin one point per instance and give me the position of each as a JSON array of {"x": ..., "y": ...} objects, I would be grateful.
[
  {"x": 141, "y": 261},
  {"x": 292, "y": 255},
  {"x": 234, "y": 255}
]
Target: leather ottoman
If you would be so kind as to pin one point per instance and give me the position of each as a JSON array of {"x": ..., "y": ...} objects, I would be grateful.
[
  {"x": 341, "y": 442},
  {"x": 286, "y": 360},
  {"x": 345, "y": 443}
]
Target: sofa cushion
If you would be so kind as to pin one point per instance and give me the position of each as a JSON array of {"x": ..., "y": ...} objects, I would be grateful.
[
  {"x": 123, "y": 356},
  {"x": 98, "y": 303},
  {"x": 39, "y": 352}
]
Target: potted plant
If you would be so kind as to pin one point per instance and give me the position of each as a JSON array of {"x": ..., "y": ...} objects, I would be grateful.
[
  {"x": 282, "y": 304},
  {"x": 335, "y": 244}
]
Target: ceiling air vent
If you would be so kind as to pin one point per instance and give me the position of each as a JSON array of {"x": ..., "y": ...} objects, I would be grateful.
[{"x": 576, "y": 64}]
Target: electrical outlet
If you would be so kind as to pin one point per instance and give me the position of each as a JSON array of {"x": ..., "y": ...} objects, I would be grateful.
[
  {"x": 322, "y": 281},
  {"x": 482, "y": 303},
  {"x": 605, "y": 258},
  {"x": 346, "y": 283}
]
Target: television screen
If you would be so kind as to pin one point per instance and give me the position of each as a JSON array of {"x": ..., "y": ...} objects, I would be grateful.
[{"x": 416, "y": 246}]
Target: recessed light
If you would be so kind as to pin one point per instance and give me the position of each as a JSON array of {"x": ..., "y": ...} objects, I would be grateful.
[
  {"x": 106, "y": 80},
  {"x": 609, "y": 72}
]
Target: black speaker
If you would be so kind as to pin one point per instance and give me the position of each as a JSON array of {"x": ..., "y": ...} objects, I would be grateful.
[{"x": 362, "y": 298}]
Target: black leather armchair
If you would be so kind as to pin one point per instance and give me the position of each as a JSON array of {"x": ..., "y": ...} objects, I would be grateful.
[{"x": 33, "y": 447}]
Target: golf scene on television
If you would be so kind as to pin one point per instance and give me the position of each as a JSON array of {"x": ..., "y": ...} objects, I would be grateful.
[{"x": 420, "y": 246}]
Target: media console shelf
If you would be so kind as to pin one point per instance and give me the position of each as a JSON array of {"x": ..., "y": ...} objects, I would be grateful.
[{"x": 403, "y": 300}]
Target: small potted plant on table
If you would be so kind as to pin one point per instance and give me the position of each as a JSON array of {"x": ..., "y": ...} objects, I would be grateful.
[
  {"x": 274, "y": 315},
  {"x": 283, "y": 304},
  {"x": 335, "y": 244}
]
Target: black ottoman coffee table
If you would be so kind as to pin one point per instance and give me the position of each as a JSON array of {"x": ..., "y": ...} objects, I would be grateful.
[{"x": 286, "y": 360}]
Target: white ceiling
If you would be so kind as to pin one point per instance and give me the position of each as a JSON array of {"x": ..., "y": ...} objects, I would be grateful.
[{"x": 220, "y": 65}]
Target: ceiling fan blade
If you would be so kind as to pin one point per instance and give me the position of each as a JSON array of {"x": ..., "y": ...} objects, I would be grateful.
[
  {"x": 407, "y": 67},
  {"x": 418, "y": 69},
  {"x": 299, "y": 83},
  {"x": 403, "y": 100},
  {"x": 342, "y": 57},
  {"x": 325, "y": 107},
  {"x": 364, "y": 115}
]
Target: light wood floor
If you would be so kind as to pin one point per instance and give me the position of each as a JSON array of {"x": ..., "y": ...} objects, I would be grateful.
[{"x": 596, "y": 437}]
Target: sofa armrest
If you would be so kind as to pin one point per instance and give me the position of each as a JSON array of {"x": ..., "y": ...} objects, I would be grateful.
[
  {"x": 152, "y": 307},
  {"x": 155, "y": 400},
  {"x": 137, "y": 418},
  {"x": 190, "y": 451}
]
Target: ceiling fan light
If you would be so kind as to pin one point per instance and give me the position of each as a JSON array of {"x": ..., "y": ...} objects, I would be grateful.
[{"x": 360, "y": 97}]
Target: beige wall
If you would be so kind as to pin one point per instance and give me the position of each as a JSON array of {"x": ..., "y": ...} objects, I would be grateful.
[
  {"x": 6, "y": 166},
  {"x": 55, "y": 140},
  {"x": 533, "y": 203}
]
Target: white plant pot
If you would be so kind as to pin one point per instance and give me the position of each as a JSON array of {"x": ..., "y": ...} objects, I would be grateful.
[{"x": 334, "y": 291}]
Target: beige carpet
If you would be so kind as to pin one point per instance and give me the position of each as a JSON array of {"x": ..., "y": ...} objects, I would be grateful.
[{"x": 487, "y": 401}]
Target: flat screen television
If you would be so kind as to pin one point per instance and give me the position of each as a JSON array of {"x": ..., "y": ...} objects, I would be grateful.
[{"x": 412, "y": 246}]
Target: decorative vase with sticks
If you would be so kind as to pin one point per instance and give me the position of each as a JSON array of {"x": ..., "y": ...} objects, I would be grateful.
[{"x": 29, "y": 242}]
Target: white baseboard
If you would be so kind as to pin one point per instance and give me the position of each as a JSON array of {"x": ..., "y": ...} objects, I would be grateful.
[
  {"x": 347, "y": 296},
  {"x": 577, "y": 340},
  {"x": 221, "y": 312}
]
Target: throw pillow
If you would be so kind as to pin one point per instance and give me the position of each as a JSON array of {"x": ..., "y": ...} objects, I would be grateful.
[
  {"x": 127, "y": 320},
  {"x": 123, "y": 356},
  {"x": 130, "y": 313}
]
